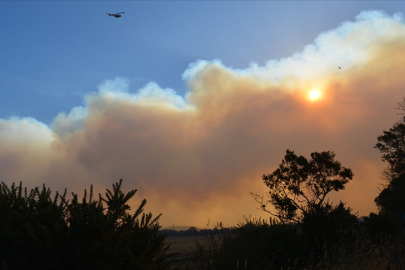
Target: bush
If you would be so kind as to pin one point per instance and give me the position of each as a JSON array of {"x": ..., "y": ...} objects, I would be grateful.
[
  {"x": 329, "y": 226},
  {"x": 265, "y": 245},
  {"x": 41, "y": 231}
]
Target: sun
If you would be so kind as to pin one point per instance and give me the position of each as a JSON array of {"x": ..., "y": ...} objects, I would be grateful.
[{"x": 315, "y": 94}]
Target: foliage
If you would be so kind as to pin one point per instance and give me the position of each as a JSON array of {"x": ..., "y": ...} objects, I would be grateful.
[
  {"x": 392, "y": 145},
  {"x": 312, "y": 233},
  {"x": 298, "y": 191},
  {"x": 262, "y": 244},
  {"x": 392, "y": 197},
  {"x": 41, "y": 231},
  {"x": 327, "y": 227},
  {"x": 391, "y": 210},
  {"x": 299, "y": 186},
  {"x": 362, "y": 254},
  {"x": 201, "y": 232},
  {"x": 273, "y": 245},
  {"x": 391, "y": 200}
]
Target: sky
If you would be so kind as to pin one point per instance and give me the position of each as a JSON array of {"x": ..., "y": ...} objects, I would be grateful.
[{"x": 191, "y": 102}]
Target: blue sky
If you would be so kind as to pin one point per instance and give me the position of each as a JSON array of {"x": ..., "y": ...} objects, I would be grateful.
[
  {"x": 54, "y": 52},
  {"x": 235, "y": 84}
]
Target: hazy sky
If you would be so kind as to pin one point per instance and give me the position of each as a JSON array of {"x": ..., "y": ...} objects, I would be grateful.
[{"x": 191, "y": 102}]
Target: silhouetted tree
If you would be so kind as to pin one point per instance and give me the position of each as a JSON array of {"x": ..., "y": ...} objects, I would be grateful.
[
  {"x": 299, "y": 186},
  {"x": 390, "y": 219},
  {"x": 391, "y": 200},
  {"x": 298, "y": 192},
  {"x": 392, "y": 145}
]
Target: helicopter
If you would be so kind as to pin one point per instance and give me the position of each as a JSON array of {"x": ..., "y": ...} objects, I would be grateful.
[{"x": 116, "y": 15}]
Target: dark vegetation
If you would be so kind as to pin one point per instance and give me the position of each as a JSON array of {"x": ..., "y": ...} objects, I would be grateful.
[
  {"x": 304, "y": 231},
  {"x": 192, "y": 231},
  {"x": 44, "y": 231}
]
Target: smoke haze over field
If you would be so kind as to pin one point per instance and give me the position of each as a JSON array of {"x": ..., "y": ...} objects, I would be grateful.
[{"x": 198, "y": 156}]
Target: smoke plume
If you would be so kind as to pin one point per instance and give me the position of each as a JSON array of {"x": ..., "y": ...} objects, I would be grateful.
[{"x": 199, "y": 156}]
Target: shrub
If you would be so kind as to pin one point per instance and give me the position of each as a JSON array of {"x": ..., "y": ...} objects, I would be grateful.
[
  {"x": 41, "y": 231},
  {"x": 265, "y": 245}
]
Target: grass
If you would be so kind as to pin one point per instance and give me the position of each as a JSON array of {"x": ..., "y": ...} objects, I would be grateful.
[
  {"x": 365, "y": 255},
  {"x": 184, "y": 245},
  {"x": 202, "y": 251},
  {"x": 355, "y": 252},
  {"x": 189, "y": 248}
]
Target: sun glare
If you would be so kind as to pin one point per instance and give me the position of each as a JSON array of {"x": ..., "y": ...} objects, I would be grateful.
[{"x": 314, "y": 94}]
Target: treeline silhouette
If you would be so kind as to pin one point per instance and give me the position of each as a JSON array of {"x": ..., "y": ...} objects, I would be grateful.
[{"x": 192, "y": 231}]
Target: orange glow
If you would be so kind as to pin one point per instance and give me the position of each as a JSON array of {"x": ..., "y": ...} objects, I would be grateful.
[{"x": 315, "y": 94}]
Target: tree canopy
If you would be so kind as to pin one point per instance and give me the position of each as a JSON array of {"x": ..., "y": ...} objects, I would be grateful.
[
  {"x": 392, "y": 146},
  {"x": 391, "y": 200},
  {"x": 299, "y": 186}
]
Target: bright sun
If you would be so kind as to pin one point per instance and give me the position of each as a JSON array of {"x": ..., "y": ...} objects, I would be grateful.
[{"x": 314, "y": 94}]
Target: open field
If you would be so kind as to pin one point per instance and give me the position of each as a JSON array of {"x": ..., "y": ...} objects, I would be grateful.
[{"x": 185, "y": 245}]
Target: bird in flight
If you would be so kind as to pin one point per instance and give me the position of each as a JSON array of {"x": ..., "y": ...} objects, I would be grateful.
[
  {"x": 116, "y": 15},
  {"x": 339, "y": 67}
]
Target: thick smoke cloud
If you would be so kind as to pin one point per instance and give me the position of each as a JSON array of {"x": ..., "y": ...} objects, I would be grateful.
[{"x": 198, "y": 157}]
